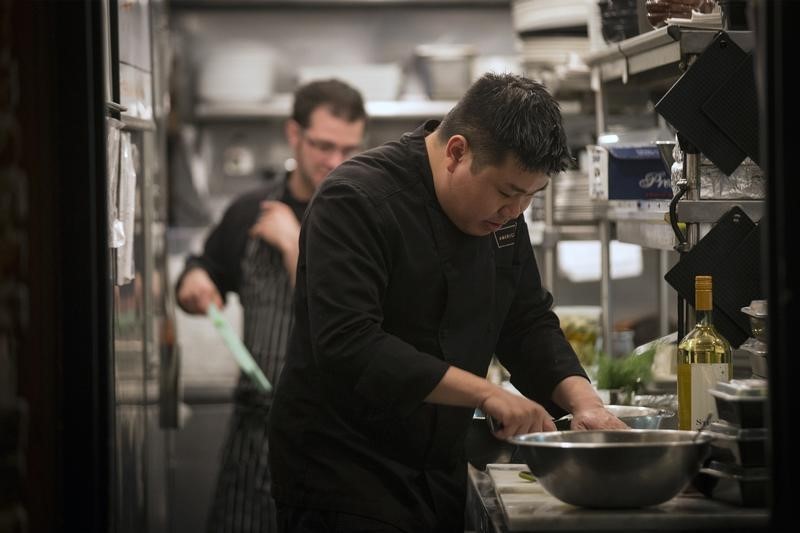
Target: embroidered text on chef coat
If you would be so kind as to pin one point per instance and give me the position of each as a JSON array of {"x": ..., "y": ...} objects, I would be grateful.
[{"x": 505, "y": 236}]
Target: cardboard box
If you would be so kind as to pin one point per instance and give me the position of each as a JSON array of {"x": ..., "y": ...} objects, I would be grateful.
[{"x": 627, "y": 173}]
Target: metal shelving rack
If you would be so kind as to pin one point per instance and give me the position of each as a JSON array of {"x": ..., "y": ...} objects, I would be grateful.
[
  {"x": 251, "y": 4},
  {"x": 657, "y": 59},
  {"x": 278, "y": 108},
  {"x": 582, "y": 229}
]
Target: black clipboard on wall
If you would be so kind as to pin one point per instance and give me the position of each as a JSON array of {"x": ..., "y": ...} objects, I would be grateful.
[{"x": 731, "y": 254}]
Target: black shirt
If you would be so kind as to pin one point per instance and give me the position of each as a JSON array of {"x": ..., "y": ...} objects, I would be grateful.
[
  {"x": 389, "y": 294},
  {"x": 225, "y": 246}
]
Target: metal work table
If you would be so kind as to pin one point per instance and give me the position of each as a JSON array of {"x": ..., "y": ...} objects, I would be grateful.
[{"x": 532, "y": 509}]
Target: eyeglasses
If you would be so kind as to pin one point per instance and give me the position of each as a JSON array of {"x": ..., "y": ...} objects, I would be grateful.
[{"x": 328, "y": 148}]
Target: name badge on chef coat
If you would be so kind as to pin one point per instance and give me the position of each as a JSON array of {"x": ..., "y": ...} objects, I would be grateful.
[{"x": 505, "y": 236}]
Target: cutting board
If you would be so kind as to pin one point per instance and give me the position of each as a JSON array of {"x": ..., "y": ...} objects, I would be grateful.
[
  {"x": 526, "y": 506},
  {"x": 521, "y": 500}
]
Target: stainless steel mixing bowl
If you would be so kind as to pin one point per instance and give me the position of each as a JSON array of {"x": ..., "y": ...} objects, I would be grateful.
[
  {"x": 614, "y": 469},
  {"x": 484, "y": 448}
]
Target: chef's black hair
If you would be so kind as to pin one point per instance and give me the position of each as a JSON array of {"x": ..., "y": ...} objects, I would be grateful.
[{"x": 507, "y": 114}]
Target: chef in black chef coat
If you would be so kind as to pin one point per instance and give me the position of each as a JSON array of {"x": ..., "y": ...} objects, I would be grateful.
[{"x": 415, "y": 268}]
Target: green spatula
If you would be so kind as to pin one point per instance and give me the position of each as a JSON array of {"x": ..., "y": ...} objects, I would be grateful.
[{"x": 243, "y": 357}]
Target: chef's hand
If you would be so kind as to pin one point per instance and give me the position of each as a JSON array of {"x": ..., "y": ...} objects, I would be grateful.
[
  {"x": 516, "y": 414},
  {"x": 197, "y": 291},
  {"x": 596, "y": 418},
  {"x": 576, "y": 395},
  {"x": 277, "y": 226}
]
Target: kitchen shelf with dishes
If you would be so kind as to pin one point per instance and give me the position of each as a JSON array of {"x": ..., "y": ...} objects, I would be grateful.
[
  {"x": 689, "y": 71},
  {"x": 279, "y": 108},
  {"x": 658, "y": 58},
  {"x": 253, "y": 4},
  {"x": 650, "y": 228},
  {"x": 663, "y": 53}
]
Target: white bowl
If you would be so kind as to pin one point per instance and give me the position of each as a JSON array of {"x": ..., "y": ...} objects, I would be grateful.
[
  {"x": 376, "y": 82},
  {"x": 237, "y": 72}
]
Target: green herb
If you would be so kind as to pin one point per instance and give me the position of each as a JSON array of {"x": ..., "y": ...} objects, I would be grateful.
[{"x": 627, "y": 372}]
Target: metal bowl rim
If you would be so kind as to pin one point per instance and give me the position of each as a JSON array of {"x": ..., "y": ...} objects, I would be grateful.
[
  {"x": 526, "y": 439},
  {"x": 634, "y": 411}
]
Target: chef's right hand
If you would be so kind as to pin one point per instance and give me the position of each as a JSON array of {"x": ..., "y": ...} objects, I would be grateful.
[
  {"x": 197, "y": 291},
  {"x": 515, "y": 414}
]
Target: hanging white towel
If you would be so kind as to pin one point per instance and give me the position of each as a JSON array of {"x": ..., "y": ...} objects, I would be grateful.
[{"x": 127, "y": 209}]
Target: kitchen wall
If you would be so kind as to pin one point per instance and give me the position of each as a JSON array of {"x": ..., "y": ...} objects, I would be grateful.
[{"x": 304, "y": 37}]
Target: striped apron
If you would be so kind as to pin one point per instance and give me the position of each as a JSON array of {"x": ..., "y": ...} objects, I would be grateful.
[{"x": 242, "y": 500}]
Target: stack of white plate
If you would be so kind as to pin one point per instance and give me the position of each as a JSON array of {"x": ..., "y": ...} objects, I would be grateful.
[
  {"x": 538, "y": 15},
  {"x": 551, "y": 31},
  {"x": 375, "y": 81},
  {"x": 553, "y": 49}
]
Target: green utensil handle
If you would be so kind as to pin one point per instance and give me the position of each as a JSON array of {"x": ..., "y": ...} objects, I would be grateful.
[{"x": 240, "y": 352}]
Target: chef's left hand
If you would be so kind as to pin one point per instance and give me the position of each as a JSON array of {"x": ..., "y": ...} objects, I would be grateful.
[{"x": 596, "y": 418}]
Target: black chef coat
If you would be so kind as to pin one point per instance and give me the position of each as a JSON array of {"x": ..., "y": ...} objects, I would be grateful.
[{"x": 389, "y": 294}]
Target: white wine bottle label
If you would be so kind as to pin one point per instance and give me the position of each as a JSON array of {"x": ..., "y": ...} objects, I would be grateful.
[{"x": 704, "y": 378}]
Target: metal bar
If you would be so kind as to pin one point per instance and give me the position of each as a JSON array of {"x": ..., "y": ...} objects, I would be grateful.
[
  {"x": 691, "y": 169},
  {"x": 268, "y": 4},
  {"x": 137, "y": 124},
  {"x": 663, "y": 293},
  {"x": 657, "y": 48},
  {"x": 605, "y": 281},
  {"x": 709, "y": 211},
  {"x": 654, "y": 58},
  {"x": 116, "y": 107},
  {"x": 549, "y": 248},
  {"x": 599, "y": 102}
]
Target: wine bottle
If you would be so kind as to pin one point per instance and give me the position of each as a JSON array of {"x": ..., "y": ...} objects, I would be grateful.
[{"x": 704, "y": 358}]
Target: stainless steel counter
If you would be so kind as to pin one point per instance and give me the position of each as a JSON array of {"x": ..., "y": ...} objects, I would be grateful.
[{"x": 525, "y": 506}]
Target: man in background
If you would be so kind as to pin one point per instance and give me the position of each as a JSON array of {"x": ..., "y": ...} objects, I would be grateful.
[{"x": 253, "y": 251}]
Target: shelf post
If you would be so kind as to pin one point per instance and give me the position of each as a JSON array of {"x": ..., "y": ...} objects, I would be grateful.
[
  {"x": 605, "y": 281},
  {"x": 663, "y": 293},
  {"x": 691, "y": 173},
  {"x": 549, "y": 247}
]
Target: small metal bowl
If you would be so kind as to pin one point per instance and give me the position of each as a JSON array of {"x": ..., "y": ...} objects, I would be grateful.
[
  {"x": 614, "y": 469},
  {"x": 757, "y": 313},
  {"x": 637, "y": 417}
]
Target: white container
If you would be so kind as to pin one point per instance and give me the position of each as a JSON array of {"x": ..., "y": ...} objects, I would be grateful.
[
  {"x": 376, "y": 81},
  {"x": 237, "y": 72},
  {"x": 445, "y": 69},
  {"x": 498, "y": 64}
]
